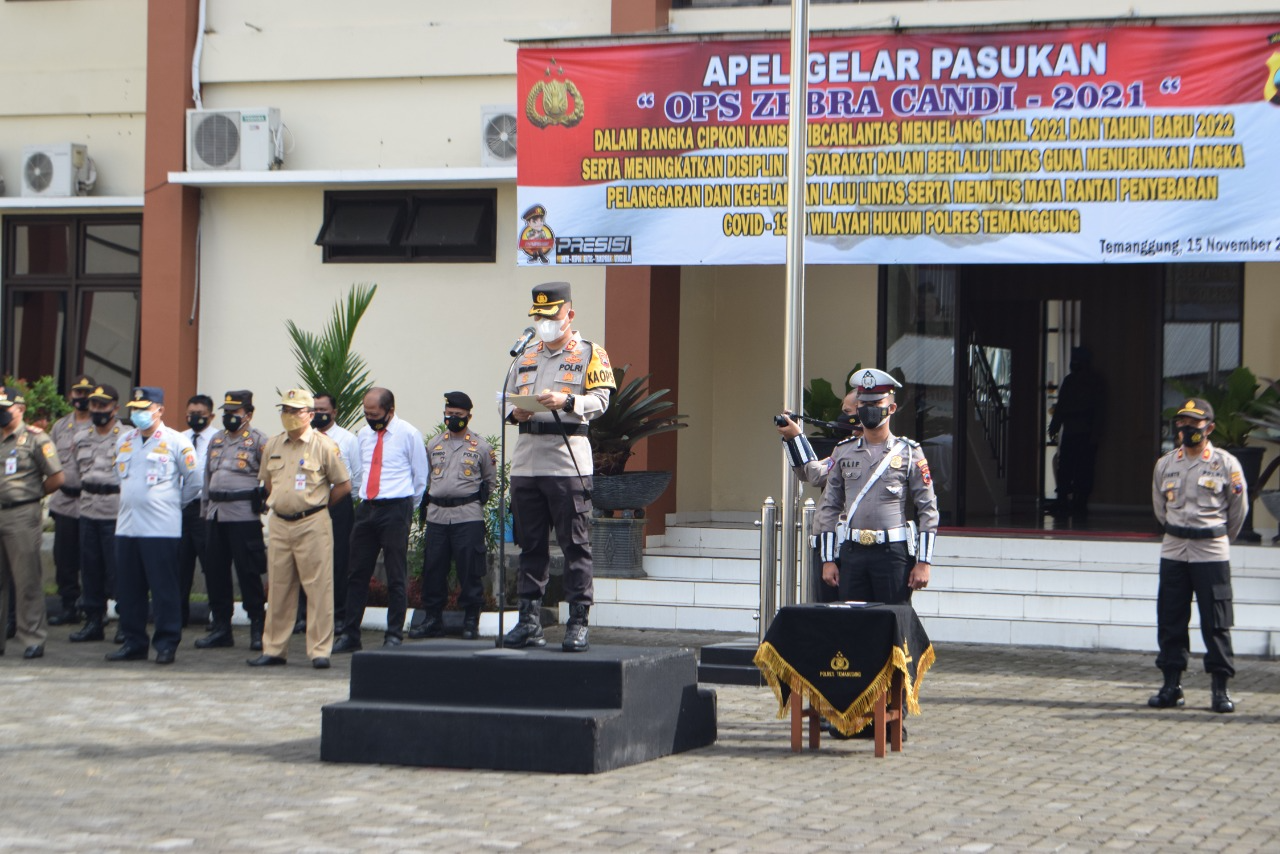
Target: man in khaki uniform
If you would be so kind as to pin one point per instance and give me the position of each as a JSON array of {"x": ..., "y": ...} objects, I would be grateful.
[
  {"x": 31, "y": 471},
  {"x": 303, "y": 474},
  {"x": 1199, "y": 497},
  {"x": 64, "y": 505}
]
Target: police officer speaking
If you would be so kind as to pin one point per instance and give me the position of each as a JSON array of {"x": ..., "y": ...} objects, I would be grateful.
[
  {"x": 1199, "y": 496},
  {"x": 863, "y": 514}
]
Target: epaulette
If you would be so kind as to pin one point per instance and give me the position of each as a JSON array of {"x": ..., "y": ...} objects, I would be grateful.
[
  {"x": 31, "y": 428},
  {"x": 846, "y": 440},
  {"x": 912, "y": 442}
]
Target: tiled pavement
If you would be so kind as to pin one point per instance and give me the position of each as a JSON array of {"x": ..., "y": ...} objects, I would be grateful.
[{"x": 1017, "y": 749}]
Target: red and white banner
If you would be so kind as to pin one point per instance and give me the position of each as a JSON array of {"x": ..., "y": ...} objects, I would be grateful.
[{"x": 1081, "y": 145}]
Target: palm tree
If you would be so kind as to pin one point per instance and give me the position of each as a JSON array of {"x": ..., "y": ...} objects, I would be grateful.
[{"x": 326, "y": 362}]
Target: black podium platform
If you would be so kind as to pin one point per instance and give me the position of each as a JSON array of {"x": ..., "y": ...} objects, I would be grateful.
[
  {"x": 459, "y": 705},
  {"x": 731, "y": 663}
]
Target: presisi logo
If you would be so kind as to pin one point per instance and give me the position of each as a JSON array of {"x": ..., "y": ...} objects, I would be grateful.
[{"x": 602, "y": 249}]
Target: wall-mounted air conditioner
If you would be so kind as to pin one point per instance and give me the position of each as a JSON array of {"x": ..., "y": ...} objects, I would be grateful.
[
  {"x": 61, "y": 169},
  {"x": 498, "y": 136},
  {"x": 243, "y": 139}
]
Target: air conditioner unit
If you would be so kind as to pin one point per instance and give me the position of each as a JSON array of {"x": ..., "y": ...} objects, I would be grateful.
[
  {"x": 498, "y": 136},
  {"x": 244, "y": 139},
  {"x": 62, "y": 169}
]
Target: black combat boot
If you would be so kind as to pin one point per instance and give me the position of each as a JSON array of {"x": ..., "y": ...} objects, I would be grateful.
[
  {"x": 1170, "y": 694},
  {"x": 575, "y": 631},
  {"x": 527, "y": 632},
  {"x": 432, "y": 627},
  {"x": 1221, "y": 699},
  {"x": 92, "y": 631},
  {"x": 219, "y": 635},
  {"x": 70, "y": 616},
  {"x": 471, "y": 624},
  {"x": 255, "y": 633}
]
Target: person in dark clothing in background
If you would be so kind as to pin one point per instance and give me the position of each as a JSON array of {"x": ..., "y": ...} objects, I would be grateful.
[{"x": 1077, "y": 416}]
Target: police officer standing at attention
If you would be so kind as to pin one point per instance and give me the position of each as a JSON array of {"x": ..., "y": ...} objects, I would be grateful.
[
  {"x": 342, "y": 510},
  {"x": 863, "y": 514},
  {"x": 463, "y": 476},
  {"x": 64, "y": 505},
  {"x": 303, "y": 476},
  {"x": 31, "y": 471},
  {"x": 394, "y": 459},
  {"x": 551, "y": 472},
  {"x": 1200, "y": 499},
  {"x": 155, "y": 465},
  {"x": 233, "y": 511},
  {"x": 199, "y": 413},
  {"x": 95, "y": 456}
]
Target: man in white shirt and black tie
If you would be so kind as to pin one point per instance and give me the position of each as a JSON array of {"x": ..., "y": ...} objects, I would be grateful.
[
  {"x": 394, "y": 460},
  {"x": 199, "y": 413}
]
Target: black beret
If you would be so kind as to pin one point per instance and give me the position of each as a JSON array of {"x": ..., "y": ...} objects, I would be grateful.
[{"x": 458, "y": 399}]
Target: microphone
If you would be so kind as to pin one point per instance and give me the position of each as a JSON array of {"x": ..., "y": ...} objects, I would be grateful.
[{"x": 523, "y": 341}]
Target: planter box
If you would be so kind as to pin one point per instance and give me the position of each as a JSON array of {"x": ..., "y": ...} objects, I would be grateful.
[{"x": 617, "y": 547}]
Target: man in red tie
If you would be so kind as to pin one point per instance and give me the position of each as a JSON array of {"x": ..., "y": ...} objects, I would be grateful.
[{"x": 394, "y": 458}]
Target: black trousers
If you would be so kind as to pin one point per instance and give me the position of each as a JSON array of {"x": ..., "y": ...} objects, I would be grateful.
[
  {"x": 380, "y": 526},
  {"x": 876, "y": 573},
  {"x": 1211, "y": 584},
  {"x": 239, "y": 543},
  {"x": 540, "y": 503},
  {"x": 144, "y": 563},
  {"x": 66, "y": 558},
  {"x": 97, "y": 563},
  {"x": 343, "y": 515},
  {"x": 1077, "y": 454},
  {"x": 462, "y": 544},
  {"x": 190, "y": 549}
]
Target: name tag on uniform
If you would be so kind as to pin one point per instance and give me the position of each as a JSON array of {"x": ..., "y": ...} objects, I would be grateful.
[
  {"x": 152, "y": 478},
  {"x": 300, "y": 482},
  {"x": 11, "y": 465}
]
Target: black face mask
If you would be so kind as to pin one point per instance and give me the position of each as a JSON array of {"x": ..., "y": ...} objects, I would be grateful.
[
  {"x": 6, "y": 417},
  {"x": 379, "y": 423},
  {"x": 102, "y": 419},
  {"x": 456, "y": 423},
  {"x": 80, "y": 404},
  {"x": 232, "y": 422},
  {"x": 197, "y": 422},
  {"x": 845, "y": 424},
  {"x": 1190, "y": 434},
  {"x": 871, "y": 416},
  {"x": 321, "y": 420}
]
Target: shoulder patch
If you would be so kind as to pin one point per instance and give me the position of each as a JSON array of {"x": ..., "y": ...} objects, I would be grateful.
[{"x": 599, "y": 371}]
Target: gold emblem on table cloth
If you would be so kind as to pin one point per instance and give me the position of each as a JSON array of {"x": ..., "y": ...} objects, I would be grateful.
[
  {"x": 867, "y": 538},
  {"x": 839, "y": 662}
]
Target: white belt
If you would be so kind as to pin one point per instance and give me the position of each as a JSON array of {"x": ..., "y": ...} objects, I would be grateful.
[{"x": 863, "y": 537}]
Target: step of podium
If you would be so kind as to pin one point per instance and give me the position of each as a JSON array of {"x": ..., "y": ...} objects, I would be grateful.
[{"x": 447, "y": 704}]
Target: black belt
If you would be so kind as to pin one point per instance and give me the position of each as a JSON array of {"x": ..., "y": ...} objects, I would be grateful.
[
  {"x": 378, "y": 502},
  {"x": 73, "y": 491},
  {"x": 242, "y": 495},
  {"x": 101, "y": 488},
  {"x": 5, "y": 505},
  {"x": 293, "y": 517},
  {"x": 548, "y": 428},
  {"x": 1196, "y": 533},
  {"x": 452, "y": 502}
]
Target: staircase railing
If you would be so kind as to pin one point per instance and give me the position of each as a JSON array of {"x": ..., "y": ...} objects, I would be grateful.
[{"x": 988, "y": 403}]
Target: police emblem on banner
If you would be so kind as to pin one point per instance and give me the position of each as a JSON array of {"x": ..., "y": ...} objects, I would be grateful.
[{"x": 554, "y": 101}]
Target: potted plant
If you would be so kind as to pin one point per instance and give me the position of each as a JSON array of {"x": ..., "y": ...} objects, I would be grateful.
[
  {"x": 45, "y": 404},
  {"x": 1237, "y": 407},
  {"x": 1268, "y": 421},
  {"x": 821, "y": 403}
]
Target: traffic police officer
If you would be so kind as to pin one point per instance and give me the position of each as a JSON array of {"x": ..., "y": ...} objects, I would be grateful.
[
  {"x": 463, "y": 476},
  {"x": 233, "y": 512},
  {"x": 95, "y": 456},
  {"x": 31, "y": 471},
  {"x": 64, "y": 505},
  {"x": 572, "y": 381},
  {"x": 303, "y": 476},
  {"x": 1200, "y": 499},
  {"x": 863, "y": 514},
  {"x": 154, "y": 463}
]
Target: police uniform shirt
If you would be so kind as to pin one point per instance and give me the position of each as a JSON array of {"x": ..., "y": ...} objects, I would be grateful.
[
  {"x": 404, "y": 460},
  {"x": 96, "y": 461},
  {"x": 581, "y": 369},
  {"x": 233, "y": 465},
  {"x": 64, "y": 433},
  {"x": 200, "y": 441},
  {"x": 349, "y": 448},
  {"x": 301, "y": 471},
  {"x": 30, "y": 459},
  {"x": 459, "y": 464},
  {"x": 884, "y": 506},
  {"x": 1199, "y": 492},
  {"x": 155, "y": 482}
]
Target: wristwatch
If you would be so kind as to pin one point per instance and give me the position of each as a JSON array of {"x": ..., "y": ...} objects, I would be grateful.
[{"x": 568, "y": 404}]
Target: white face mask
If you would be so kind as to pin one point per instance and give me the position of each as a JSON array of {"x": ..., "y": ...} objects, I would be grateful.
[{"x": 549, "y": 330}]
